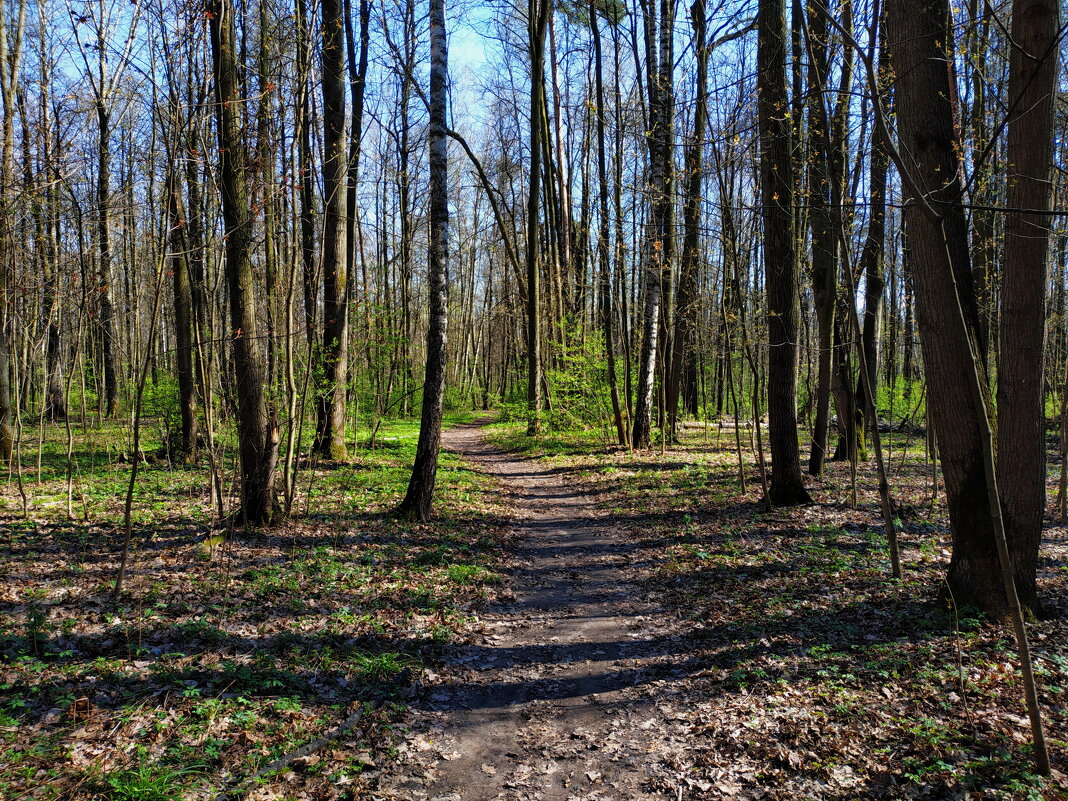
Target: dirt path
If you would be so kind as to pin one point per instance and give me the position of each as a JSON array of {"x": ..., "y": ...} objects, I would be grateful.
[{"x": 567, "y": 694}]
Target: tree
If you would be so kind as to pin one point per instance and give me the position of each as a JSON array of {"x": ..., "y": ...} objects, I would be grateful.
[
  {"x": 330, "y": 433},
  {"x": 659, "y": 242},
  {"x": 104, "y": 83},
  {"x": 10, "y": 58},
  {"x": 606, "y": 310},
  {"x": 780, "y": 261},
  {"x": 257, "y": 425},
  {"x": 682, "y": 354},
  {"x": 417, "y": 501},
  {"x": 1033, "y": 62},
  {"x": 821, "y": 163},
  {"x": 537, "y": 20},
  {"x": 920, "y": 41},
  {"x": 871, "y": 257}
]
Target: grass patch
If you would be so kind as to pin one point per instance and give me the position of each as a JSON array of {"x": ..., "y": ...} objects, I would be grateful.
[{"x": 224, "y": 649}]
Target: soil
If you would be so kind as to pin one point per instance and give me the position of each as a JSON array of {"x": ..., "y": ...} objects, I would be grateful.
[{"x": 562, "y": 694}]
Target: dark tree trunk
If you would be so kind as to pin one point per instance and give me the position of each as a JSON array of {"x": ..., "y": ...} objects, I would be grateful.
[
  {"x": 106, "y": 310},
  {"x": 871, "y": 257},
  {"x": 603, "y": 247},
  {"x": 780, "y": 262},
  {"x": 304, "y": 169},
  {"x": 357, "y": 84},
  {"x": 919, "y": 38},
  {"x": 55, "y": 399},
  {"x": 178, "y": 263},
  {"x": 824, "y": 241},
  {"x": 257, "y": 425},
  {"x": 1022, "y": 342},
  {"x": 330, "y": 432},
  {"x": 538, "y": 17},
  {"x": 659, "y": 238},
  {"x": 683, "y": 350}
]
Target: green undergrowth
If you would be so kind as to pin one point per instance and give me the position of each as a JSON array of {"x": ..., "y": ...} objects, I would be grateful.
[
  {"x": 225, "y": 651},
  {"x": 808, "y": 672}
]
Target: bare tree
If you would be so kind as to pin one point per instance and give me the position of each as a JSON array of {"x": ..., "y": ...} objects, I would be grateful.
[
  {"x": 330, "y": 433},
  {"x": 780, "y": 259},
  {"x": 537, "y": 20},
  {"x": 102, "y": 21},
  {"x": 659, "y": 244},
  {"x": 10, "y": 59},
  {"x": 257, "y": 424},
  {"x": 417, "y": 502},
  {"x": 1033, "y": 62}
]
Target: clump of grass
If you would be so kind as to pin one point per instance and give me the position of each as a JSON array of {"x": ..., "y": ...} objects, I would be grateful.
[
  {"x": 148, "y": 782},
  {"x": 471, "y": 574},
  {"x": 381, "y": 667}
]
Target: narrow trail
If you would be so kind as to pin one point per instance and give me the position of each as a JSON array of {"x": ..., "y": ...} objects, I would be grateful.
[{"x": 567, "y": 694}]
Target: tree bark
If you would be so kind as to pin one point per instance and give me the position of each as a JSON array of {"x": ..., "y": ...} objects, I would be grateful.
[
  {"x": 304, "y": 168},
  {"x": 538, "y": 15},
  {"x": 603, "y": 247},
  {"x": 658, "y": 245},
  {"x": 921, "y": 46},
  {"x": 683, "y": 350},
  {"x": 178, "y": 264},
  {"x": 257, "y": 425},
  {"x": 330, "y": 433},
  {"x": 106, "y": 309},
  {"x": 780, "y": 261},
  {"x": 417, "y": 502},
  {"x": 1021, "y": 452},
  {"x": 871, "y": 257}
]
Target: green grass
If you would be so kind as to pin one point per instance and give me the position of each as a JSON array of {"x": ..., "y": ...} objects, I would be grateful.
[
  {"x": 148, "y": 782},
  {"x": 224, "y": 646}
]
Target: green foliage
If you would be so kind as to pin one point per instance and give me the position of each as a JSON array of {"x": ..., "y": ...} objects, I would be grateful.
[
  {"x": 470, "y": 574},
  {"x": 148, "y": 782},
  {"x": 578, "y": 387},
  {"x": 160, "y": 405},
  {"x": 907, "y": 399},
  {"x": 381, "y": 667}
]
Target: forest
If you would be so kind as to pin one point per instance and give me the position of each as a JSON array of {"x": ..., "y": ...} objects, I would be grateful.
[{"x": 620, "y": 399}]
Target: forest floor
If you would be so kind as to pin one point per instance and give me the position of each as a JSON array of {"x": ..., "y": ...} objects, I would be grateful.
[
  {"x": 669, "y": 639},
  {"x": 579, "y": 622},
  {"x": 223, "y": 655}
]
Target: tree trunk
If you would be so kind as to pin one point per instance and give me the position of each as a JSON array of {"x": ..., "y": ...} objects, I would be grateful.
[
  {"x": 55, "y": 399},
  {"x": 106, "y": 310},
  {"x": 871, "y": 257},
  {"x": 257, "y": 426},
  {"x": 658, "y": 243},
  {"x": 538, "y": 16},
  {"x": 1022, "y": 342},
  {"x": 824, "y": 241},
  {"x": 304, "y": 168},
  {"x": 10, "y": 57},
  {"x": 357, "y": 84},
  {"x": 417, "y": 501},
  {"x": 178, "y": 264},
  {"x": 603, "y": 247},
  {"x": 780, "y": 262},
  {"x": 330, "y": 434},
  {"x": 920, "y": 38},
  {"x": 683, "y": 351}
]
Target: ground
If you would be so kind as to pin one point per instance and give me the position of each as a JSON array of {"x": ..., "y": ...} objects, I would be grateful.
[
  {"x": 669, "y": 639},
  {"x": 580, "y": 622}
]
